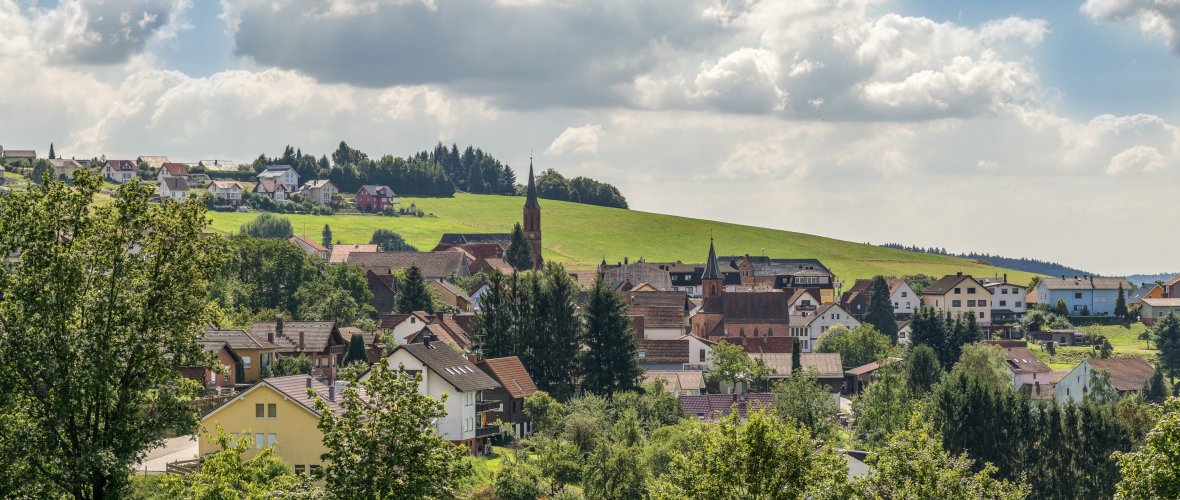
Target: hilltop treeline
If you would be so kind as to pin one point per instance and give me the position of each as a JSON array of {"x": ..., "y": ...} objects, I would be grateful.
[
  {"x": 1020, "y": 264},
  {"x": 439, "y": 171}
]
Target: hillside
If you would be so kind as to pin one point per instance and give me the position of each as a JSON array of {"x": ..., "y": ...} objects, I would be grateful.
[{"x": 582, "y": 235}]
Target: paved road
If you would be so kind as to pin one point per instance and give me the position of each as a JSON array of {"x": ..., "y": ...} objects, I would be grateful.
[{"x": 175, "y": 449}]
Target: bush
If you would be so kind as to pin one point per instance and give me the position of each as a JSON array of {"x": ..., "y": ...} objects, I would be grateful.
[{"x": 268, "y": 226}]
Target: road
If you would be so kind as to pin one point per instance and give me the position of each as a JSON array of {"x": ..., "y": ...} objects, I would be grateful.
[{"x": 174, "y": 449}]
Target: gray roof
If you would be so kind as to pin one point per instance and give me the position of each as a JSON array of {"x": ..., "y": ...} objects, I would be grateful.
[
  {"x": 451, "y": 366},
  {"x": 766, "y": 266},
  {"x": 238, "y": 339},
  {"x": 946, "y": 284},
  {"x": 711, "y": 271},
  {"x": 433, "y": 264},
  {"x": 1141, "y": 292},
  {"x": 375, "y": 190},
  {"x": 176, "y": 183},
  {"x": 317, "y": 335},
  {"x": 1085, "y": 283}
]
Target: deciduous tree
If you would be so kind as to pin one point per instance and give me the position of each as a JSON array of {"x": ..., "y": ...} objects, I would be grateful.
[
  {"x": 801, "y": 398},
  {"x": 856, "y": 347},
  {"x": 389, "y": 241},
  {"x": 1153, "y": 471},
  {"x": 226, "y": 474},
  {"x": 268, "y": 226}
]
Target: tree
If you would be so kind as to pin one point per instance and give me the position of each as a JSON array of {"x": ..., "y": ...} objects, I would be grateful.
[
  {"x": 492, "y": 326},
  {"x": 1166, "y": 333},
  {"x": 381, "y": 442},
  {"x": 519, "y": 254},
  {"x": 268, "y": 226},
  {"x": 856, "y": 347},
  {"x": 922, "y": 370},
  {"x": 100, "y": 309},
  {"x": 1101, "y": 390},
  {"x": 326, "y": 237},
  {"x": 1060, "y": 308},
  {"x": 610, "y": 360},
  {"x": 544, "y": 412},
  {"x": 1120, "y": 304},
  {"x": 796, "y": 355},
  {"x": 879, "y": 311},
  {"x": 554, "y": 331},
  {"x": 912, "y": 464},
  {"x": 801, "y": 398},
  {"x": 389, "y": 241},
  {"x": 1154, "y": 389},
  {"x": 412, "y": 293},
  {"x": 519, "y": 479},
  {"x": 225, "y": 474},
  {"x": 293, "y": 365},
  {"x": 356, "y": 350},
  {"x": 52, "y": 153},
  {"x": 41, "y": 171},
  {"x": 984, "y": 362},
  {"x": 613, "y": 471},
  {"x": 731, "y": 365},
  {"x": 763, "y": 457},
  {"x": 1153, "y": 471},
  {"x": 883, "y": 408}
]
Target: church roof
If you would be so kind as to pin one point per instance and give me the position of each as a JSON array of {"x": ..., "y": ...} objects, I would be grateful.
[
  {"x": 531, "y": 202},
  {"x": 711, "y": 271}
]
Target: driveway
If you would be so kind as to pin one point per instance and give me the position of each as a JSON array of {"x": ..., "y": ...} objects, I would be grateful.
[{"x": 174, "y": 449}]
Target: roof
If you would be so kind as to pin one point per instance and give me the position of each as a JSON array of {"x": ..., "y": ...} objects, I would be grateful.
[
  {"x": 1126, "y": 374},
  {"x": 300, "y": 239},
  {"x": 294, "y": 388},
  {"x": 317, "y": 335},
  {"x": 1022, "y": 360},
  {"x": 215, "y": 346},
  {"x": 660, "y": 316},
  {"x": 662, "y": 352},
  {"x": 511, "y": 375},
  {"x": 657, "y": 298},
  {"x": 376, "y": 190},
  {"x": 1168, "y": 302},
  {"x": 766, "y": 266},
  {"x": 226, "y": 184},
  {"x": 175, "y": 169},
  {"x": 531, "y": 191},
  {"x": 1142, "y": 291},
  {"x": 762, "y": 344},
  {"x": 432, "y": 264},
  {"x": 340, "y": 252},
  {"x": 799, "y": 320},
  {"x": 1084, "y": 283},
  {"x": 451, "y": 239},
  {"x": 277, "y": 169},
  {"x": 863, "y": 369},
  {"x": 451, "y": 288},
  {"x": 1047, "y": 385},
  {"x": 826, "y": 364},
  {"x": 122, "y": 165},
  {"x": 440, "y": 333},
  {"x": 451, "y": 366},
  {"x": 761, "y": 307},
  {"x": 1174, "y": 281},
  {"x": 64, "y": 162},
  {"x": 176, "y": 183},
  {"x": 389, "y": 321},
  {"x": 674, "y": 380},
  {"x": 715, "y": 405},
  {"x": 19, "y": 153},
  {"x": 154, "y": 161},
  {"x": 711, "y": 270},
  {"x": 945, "y": 284},
  {"x": 269, "y": 186},
  {"x": 239, "y": 339},
  {"x": 317, "y": 184}
]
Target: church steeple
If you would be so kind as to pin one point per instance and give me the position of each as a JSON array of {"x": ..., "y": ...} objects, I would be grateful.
[
  {"x": 532, "y": 219},
  {"x": 712, "y": 282},
  {"x": 531, "y": 201},
  {"x": 711, "y": 271}
]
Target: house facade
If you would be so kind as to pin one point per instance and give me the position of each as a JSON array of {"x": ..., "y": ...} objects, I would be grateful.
[
  {"x": 119, "y": 171},
  {"x": 903, "y": 298},
  {"x": 1082, "y": 294},
  {"x": 1127, "y": 376},
  {"x": 374, "y": 198},
  {"x": 809, "y": 328},
  {"x": 175, "y": 188},
  {"x": 281, "y": 174},
  {"x": 309, "y": 246},
  {"x": 208, "y": 376},
  {"x": 174, "y": 170},
  {"x": 320, "y": 191},
  {"x": 64, "y": 169},
  {"x": 761, "y": 272},
  {"x": 1151, "y": 310},
  {"x": 319, "y": 340},
  {"x": 257, "y": 355},
  {"x": 958, "y": 294},
  {"x": 515, "y": 386},
  {"x": 230, "y": 191},
  {"x": 1008, "y": 300},
  {"x": 272, "y": 188},
  {"x": 1024, "y": 367}
]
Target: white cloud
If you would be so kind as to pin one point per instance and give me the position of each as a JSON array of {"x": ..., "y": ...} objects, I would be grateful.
[
  {"x": 578, "y": 140},
  {"x": 1157, "y": 18},
  {"x": 1136, "y": 159}
]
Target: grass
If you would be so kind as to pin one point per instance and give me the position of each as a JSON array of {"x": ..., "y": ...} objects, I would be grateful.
[
  {"x": 582, "y": 235},
  {"x": 1124, "y": 339}
]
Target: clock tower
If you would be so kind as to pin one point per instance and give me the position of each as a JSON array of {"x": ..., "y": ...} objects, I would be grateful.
[{"x": 532, "y": 220}]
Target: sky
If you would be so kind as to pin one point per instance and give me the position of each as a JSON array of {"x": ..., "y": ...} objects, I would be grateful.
[{"x": 1027, "y": 129}]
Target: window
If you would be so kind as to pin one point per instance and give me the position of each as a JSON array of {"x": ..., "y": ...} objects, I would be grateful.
[
  {"x": 259, "y": 441},
  {"x": 213, "y": 377},
  {"x": 245, "y": 361},
  {"x": 272, "y": 410},
  {"x": 1003, "y": 303},
  {"x": 1017, "y": 304},
  {"x": 981, "y": 314},
  {"x": 1077, "y": 295},
  {"x": 904, "y": 294},
  {"x": 806, "y": 345},
  {"x": 957, "y": 290},
  {"x": 259, "y": 410},
  {"x": 956, "y": 303},
  {"x": 702, "y": 355},
  {"x": 1003, "y": 291},
  {"x": 300, "y": 469},
  {"x": 970, "y": 303},
  {"x": 271, "y": 440},
  {"x": 970, "y": 290}
]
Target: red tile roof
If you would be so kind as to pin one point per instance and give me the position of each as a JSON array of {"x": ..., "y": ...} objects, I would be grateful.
[
  {"x": 1126, "y": 374},
  {"x": 510, "y": 373}
]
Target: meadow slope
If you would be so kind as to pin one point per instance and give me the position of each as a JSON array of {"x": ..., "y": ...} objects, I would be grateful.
[{"x": 582, "y": 235}]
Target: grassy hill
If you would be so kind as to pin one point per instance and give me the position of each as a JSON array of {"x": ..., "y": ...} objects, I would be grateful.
[{"x": 582, "y": 235}]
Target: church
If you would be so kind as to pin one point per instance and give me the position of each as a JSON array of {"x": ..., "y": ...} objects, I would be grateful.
[{"x": 478, "y": 244}]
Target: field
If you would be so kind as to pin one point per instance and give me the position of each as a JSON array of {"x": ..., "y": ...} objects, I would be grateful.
[
  {"x": 582, "y": 235},
  {"x": 1124, "y": 339}
]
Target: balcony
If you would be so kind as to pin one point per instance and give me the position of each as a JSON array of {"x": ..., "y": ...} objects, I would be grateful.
[
  {"x": 486, "y": 406},
  {"x": 486, "y": 431}
]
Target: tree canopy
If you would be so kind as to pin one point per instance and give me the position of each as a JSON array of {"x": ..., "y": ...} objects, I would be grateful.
[{"x": 856, "y": 347}]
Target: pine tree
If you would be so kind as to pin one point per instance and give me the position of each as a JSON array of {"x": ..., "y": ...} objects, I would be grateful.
[
  {"x": 1166, "y": 333},
  {"x": 1120, "y": 304},
  {"x": 610, "y": 363},
  {"x": 356, "y": 350},
  {"x": 52, "y": 153},
  {"x": 559, "y": 329},
  {"x": 492, "y": 325},
  {"x": 796, "y": 355},
  {"x": 412, "y": 294},
  {"x": 1060, "y": 308},
  {"x": 475, "y": 183},
  {"x": 1154, "y": 389},
  {"x": 326, "y": 237},
  {"x": 879, "y": 312},
  {"x": 923, "y": 370},
  {"x": 519, "y": 253}
]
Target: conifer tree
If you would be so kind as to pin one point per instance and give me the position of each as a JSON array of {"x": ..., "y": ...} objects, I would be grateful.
[
  {"x": 610, "y": 363},
  {"x": 1154, "y": 389},
  {"x": 52, "y": 153},
  {"x": 356, "y": 350},
  {"x": 559, "y": 330},
  {"x": 1060, "y": 308},
  {"x": 412, "y": 294},
  {"x": 1120, "y": 304},
  {"x": 326, "y": 237},
  {"x": 923, "y": 370},
  {"x": 519, "y": 252},
  {"x": 879, "y": 312},
  {"x": 1166, "y": 333},
  {"x": 492, "y": 325},
  {"x": 796, "y": 355}
]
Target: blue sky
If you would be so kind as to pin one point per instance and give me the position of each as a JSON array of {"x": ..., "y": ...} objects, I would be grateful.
[{"x": 1004, "y": 127}]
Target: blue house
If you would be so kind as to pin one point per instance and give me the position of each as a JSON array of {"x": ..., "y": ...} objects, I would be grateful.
[{"x": 1083, "y": 293}]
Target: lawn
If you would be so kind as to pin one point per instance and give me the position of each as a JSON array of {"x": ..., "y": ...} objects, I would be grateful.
[
  {"x": 582, "y": 235},
  {"x": 1125, "y": 340}
]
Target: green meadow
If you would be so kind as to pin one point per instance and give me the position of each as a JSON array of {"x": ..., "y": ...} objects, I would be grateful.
[{"x": 582, "y": 235}]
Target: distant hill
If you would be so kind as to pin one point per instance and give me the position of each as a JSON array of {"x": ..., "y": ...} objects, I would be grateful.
[
  {"x": 1140, "y": 279},
  {"x": 583, "y": 235},
  {"x": 1034, "y": 266}
]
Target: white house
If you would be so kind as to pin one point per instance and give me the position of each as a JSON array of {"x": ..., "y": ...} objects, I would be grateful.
[
  {"x": 808, "y": 328},
  {"x": 230, "y": 191},
  {"x": 175, "y": 170},
  {"x": 905, "y": 301},
  {"x": 402, "y": 326},
  {"x": 320, "y": 191},
  {"x": 1007, "y": 299},
  {"x": 904, "y": 332},
  {"x": 118, "y": 171},
  {"x": 173, "y": 187},
  {"x": 1127, "y": 375},
  {"x": 446, "y": 373},
  {"x": 1024, "y": 366},
  {"x": 282, "y": 174}
]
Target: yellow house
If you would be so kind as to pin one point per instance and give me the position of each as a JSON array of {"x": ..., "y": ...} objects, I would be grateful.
[
  {"x": 960, "y": 293},
  {"x": 275, "y": 412}
]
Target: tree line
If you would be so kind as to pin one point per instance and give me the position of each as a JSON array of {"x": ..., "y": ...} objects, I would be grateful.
[{"x": 1035, "y": 266}]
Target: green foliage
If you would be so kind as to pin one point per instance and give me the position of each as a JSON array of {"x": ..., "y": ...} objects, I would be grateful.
[
  {"x": 356, "y": 350},
  {"x": 382, "y": 443},
  {"x": 654, "y": 406},
  {"x": 552, "y": 185},
  {"x": 1153, "y": 471},
  {"x": 1101, "y": 390},
  {"x": 918, "y": 282},
  {"x": 613, "y": 471},
  {"x": 1120, "y": 303},
  {"x": 339, "y": 293},
  {"x": 560, "y": 461},
  {"x": 326, "y": 237},
  {"x": 98, "y": 312},
  {"x": 293, "y": 365},
  {"x": 883, "y": 408},
  {"x": 879, "y": 311},
  {"x": 610, "y": 359},
  {"x": 1060, "y": 308},
  {"x": 944, "y": 333},
  {"x": 1166, "y": 335},
  {"x": 796, "y": 355},
  {"x": 1154, "y": 389},
  {"x": 519, "y": 253},
  {"x": 544, "y": 412},
  {"x": 731, "y": 365},
  {"x": 762, "y": 457},
  {"x": 226, "y": 474},
  {"x": 912, "y": 464},
  {"x": 803, "y": 399},
  {"x": 856, "y": 347},
  {"x": 268, "y": 226},
  {"x": 518, "y": 480},
  {"x": 389, "y": 241},
  {"x": 984, "y": 363},
  {"x": 923, "y": 370},
  {"x": 412, "y": 294}
]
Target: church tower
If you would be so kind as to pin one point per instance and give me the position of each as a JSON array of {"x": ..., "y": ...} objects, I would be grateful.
[
  {"x": 532, "y": 219},
  {"x": 712, "y": 282}
]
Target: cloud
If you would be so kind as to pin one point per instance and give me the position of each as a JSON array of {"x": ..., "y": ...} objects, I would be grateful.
[
  {"x": 1136, "y": 159},
  {"x": 579, "y": 140},
  {"x": 103, "y": 32},
  {"x": 1157, "y": 18}
]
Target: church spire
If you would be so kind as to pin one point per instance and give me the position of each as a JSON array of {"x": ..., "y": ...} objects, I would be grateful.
[
  {"x": 711, "y": 271},
  {"x": 531, "y": 202}
]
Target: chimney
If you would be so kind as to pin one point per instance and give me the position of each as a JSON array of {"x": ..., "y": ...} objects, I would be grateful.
[
  {"x": 309, "y": 381},
  {"x": 626, "y": 261},
  {"x": 426, "y": 339},
  {"x": 332, "y": 392},
  {"x": 959, "y": 274},
  {"x": 1005, "y": 277},
  {"x": 278, "y": 331},
  {"x": 301, "y": 340}
]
